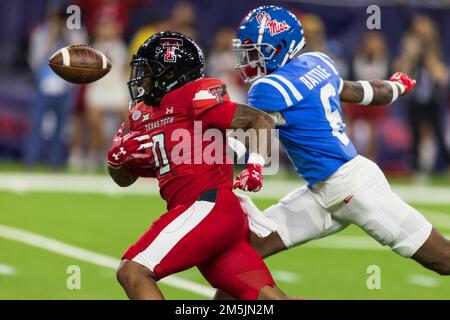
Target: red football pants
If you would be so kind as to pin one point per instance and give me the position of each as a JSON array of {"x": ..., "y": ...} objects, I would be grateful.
[{"x": 211, "y": 234}]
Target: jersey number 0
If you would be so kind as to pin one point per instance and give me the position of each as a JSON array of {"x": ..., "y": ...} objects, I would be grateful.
[{"x": 161, "y": 160}]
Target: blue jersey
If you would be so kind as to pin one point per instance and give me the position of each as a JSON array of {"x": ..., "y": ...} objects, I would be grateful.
[{"x": 306, "y": 94}]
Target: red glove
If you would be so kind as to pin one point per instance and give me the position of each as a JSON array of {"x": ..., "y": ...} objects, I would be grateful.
[
  {"x": 251, "y": 179},
  {"x": 133, "y": 145},
  {"x": 404, "y": 80}
]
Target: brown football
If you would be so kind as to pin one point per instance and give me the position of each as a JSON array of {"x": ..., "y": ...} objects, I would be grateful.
[{"x": 79, "y": 64}]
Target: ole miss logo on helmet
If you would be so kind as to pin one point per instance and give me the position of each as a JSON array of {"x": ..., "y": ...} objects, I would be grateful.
[
  {"x": 170, "y": 44},
  {"x": 274, "y": 26}
]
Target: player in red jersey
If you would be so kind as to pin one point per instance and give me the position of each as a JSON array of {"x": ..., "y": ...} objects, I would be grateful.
[{"x": 205, "y": 225}]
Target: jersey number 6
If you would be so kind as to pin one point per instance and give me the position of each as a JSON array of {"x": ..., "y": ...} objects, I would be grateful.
[{"x": 333, "y": 117}]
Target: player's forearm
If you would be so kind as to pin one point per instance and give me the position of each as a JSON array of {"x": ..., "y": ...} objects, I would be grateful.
[
  {"x": 380, "y": 92},
  {"x": 263, "y": 125},
  {"x": 122, "y": 176},
  {"x": 259, "y": 125}
]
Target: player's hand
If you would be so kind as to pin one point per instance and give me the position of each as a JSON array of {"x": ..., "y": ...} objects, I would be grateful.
[
  {"x": 251, "y": 179},
  {"x": 133, "y": 145},
  {"x": 404, "y": 80}
]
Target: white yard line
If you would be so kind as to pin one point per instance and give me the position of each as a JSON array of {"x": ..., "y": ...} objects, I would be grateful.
[
  {"x": 22, "y": 182},
  {"x": 273, "y": 189},
  {"x": 285, "y": 276},
  {"x": 7, "y": 270},
  {"x": 423, "y": 281},
  {"x": 64, "y": 249}
]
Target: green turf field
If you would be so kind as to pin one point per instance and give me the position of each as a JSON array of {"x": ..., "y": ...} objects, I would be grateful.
[{"x": 327, "y": 269}]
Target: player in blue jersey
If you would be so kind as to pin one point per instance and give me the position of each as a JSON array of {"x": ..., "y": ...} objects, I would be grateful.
[{"x": 303, "y": 93}]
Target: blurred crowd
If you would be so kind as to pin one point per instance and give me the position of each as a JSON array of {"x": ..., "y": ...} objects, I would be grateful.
[{"x": 84, "y": 119}]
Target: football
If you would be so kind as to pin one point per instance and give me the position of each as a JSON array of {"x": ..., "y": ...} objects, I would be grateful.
[
  {"x": 142, "y": 167},
  {"x": 79, "y": 64}
]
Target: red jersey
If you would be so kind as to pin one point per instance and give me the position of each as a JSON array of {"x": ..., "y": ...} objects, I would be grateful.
[{"x": 180, "y": 153}]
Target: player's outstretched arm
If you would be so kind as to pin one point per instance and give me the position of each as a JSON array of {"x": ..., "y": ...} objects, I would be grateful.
[
  {"x": 259, "y": 125},
  {"x": 377, "y": 92}
]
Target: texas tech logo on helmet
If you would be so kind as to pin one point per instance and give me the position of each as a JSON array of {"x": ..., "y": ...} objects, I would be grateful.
[{"x": 170, "y": 44}]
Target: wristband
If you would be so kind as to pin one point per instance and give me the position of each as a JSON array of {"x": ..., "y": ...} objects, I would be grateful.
[
  {"x": 368, "y": 92},
  {"x": 256, "y": 158},
  {"x": 396, "y": 89}
]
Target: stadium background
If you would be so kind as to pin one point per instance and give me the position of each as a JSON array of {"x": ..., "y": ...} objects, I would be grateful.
[{"x": 59, "y": 209}]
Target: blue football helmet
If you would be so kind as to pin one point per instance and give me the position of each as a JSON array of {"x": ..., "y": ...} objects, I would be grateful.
[{"x": 267, "y": 39}]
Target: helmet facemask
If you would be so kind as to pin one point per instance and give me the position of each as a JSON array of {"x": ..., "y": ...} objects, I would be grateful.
[
  {"x": 143, "y": 84},
  {"x": 252, "y": 59}
]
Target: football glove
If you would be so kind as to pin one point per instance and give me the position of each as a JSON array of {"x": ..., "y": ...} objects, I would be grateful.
[
  {"x": 133, "y": 145},
  {"x": 405, "y": 82},
  {"x": 251, "y": 179}
]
